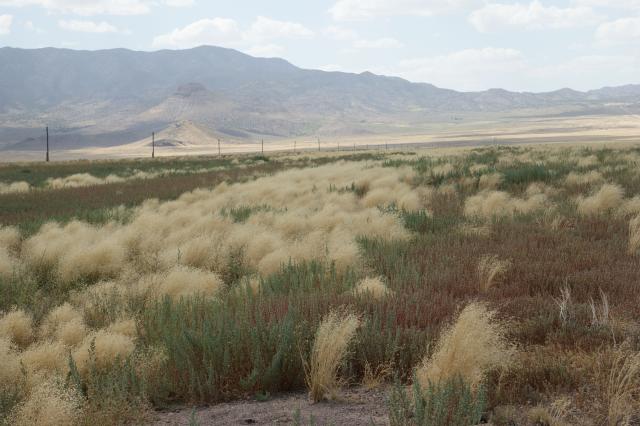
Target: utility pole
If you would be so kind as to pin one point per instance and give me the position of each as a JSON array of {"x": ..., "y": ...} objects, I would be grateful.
[
  {"x": 47, "y": 131},
  {"x": 218, "y": 147},
  {"x": 294, "y": 146},
  {"x": 262, "y": 146},
  {"x": 318, "y": 144},
  {"x": 153, "y": 144},
  {"x": 386, "y": 146}
]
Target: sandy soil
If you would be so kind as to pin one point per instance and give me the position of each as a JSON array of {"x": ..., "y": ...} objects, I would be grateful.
[
  {"x": 355, "y": 407},
  {"x": 594, "y": 130}
]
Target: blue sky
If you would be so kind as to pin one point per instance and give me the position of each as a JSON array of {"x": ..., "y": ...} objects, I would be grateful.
[{"x": 523, "y": 45}]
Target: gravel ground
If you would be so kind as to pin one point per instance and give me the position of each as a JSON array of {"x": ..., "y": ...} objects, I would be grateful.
[{"x": 355, "y": 407}]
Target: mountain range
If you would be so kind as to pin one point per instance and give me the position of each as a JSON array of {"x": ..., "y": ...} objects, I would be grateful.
[{"x": 112, "y": 97}]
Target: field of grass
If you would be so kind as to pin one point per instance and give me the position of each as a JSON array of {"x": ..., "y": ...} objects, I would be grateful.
[{"x": 498, "y": 282}]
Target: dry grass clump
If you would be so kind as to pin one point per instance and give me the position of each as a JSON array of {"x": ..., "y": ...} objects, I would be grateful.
[
  {"x": 471, "y": 230},
  {"x": 295, "y": 216},
  {"x": 45, "y": 358},
  {"x": 630, "y": 206},
  {"x": 10, "y": 371},
  {"x": 501, "y": 204},
  {"x": 443, "y": 169},
  {"x": 77, "y": 250},
  {"x": 49, "y": 404},
  {"x": 372, "y": 287},
  {"x": 588, "y": 161},
  {"x": 490, "y": 268},
  {"x": 618, "y": 377},
  {"x": 7, "y": 263},
  {"x": 252, "y": 284},
  {"x": 472, "y": 346},
  {"x": 608, "y": 198},
  {"x": 17, "y": 326},
  {"x": 10, "y": 238},
  {"x": 330, "y": 347},
  {"x": 583, "y": 179},
  {"x": 56, "y": 318},
  {"x": 183, "y": 281},
  {"x": 553, "y": 415},
  {"x": 634, "y": 235},
  {"x": 14, "y": 187},
  {"x": 490, "y": 181},
  {"x": 109, "y": 347}
]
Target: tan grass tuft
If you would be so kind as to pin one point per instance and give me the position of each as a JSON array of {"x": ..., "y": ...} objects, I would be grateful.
[
  {"x": 10, "y": 239},
  {"x": 471, "y": 230},
  {"x": 583, "y": 179},
  {"x": 50, "y": 404},
  {"x": 472, "y": 346},
  {"x": 373, "y": 287},
  {"x": 10, "y": 370},
  {"x": 64, "y": 324},
  {"x": 14, "y": 187},
  {"x": 108, "y": 347},
  {"x": 374, "y": 377},
  {"x": 182, "y": 281},
  {"x": 553, "y": 415},
  {"x": 490, "y": 268},
  {"x": 634, "y": 235},
  {"x": 608, "y": 198},
  {"x": 7, "y": 263},
  {"x": 17, "y": 326},
  {"x": 619, "y": 374},
  {"x": 330, "y": 347},
  {"x": 125, "y": 327},
  {"x": 45, "y": 357},
  {"x": 490, "y": 181},
  {"x": 501, "y": 204}
]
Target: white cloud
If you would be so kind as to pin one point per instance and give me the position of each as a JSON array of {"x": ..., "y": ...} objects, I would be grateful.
[
  {"x": 356, "y": 42},
  {"x": 228, "y": 33},
  {"x": 265, "y": 51},
  {"x": 621, "y": 31},
  {"x": 532, "y": 16},
  {"x": 5, "y": 24},
  {"x": 380, "y": 43},
  {"x": 340, "y": 33},
  {"x": 351, "y": 10},
  {"x": 216, "y": 31},
  {"x": 87, "y": 26},
  {"x": 581, "y": 72},
  {"x": 179, "y": 3},
  {"x": 469, "y": 69},
  {"x": 268, "y": 29},
  {"x": 622, "y": 4},
  {"x": 86, "y": 7},
  {"x": 30, "y": 26},
  {"x": 97, "y": 7}
]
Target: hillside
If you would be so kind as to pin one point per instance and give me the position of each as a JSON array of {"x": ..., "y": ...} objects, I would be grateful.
[{"x": 111, "y": 97}]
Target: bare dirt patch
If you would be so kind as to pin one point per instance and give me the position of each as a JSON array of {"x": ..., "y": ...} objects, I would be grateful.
[{"x": 357, "y": 406}]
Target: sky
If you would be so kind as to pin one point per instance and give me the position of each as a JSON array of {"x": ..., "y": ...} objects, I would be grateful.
[{"x": 538, "y": 45}]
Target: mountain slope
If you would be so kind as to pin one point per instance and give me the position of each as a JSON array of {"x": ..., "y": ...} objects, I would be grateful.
[{"x": 94, "y": 94}]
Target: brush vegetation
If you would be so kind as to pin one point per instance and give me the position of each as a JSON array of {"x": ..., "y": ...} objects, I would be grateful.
[{"x": 128, "y": 286}]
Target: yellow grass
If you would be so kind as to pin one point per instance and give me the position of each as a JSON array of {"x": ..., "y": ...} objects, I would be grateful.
[
  {"x": 468, "y": 348},
  {"x": 331, "y": 345},
  {"x": 372, "y": 287},
  {"x": 17, "y": 326},
  {"x": 490, "y": 268},
  {"x": 49, "y": 404},
  {"x": 608, "y": 198},
  {"x": 634, "y": 235}
]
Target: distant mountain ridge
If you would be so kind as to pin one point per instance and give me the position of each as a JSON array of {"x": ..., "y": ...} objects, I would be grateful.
[{"x": 91, "y": 94}]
